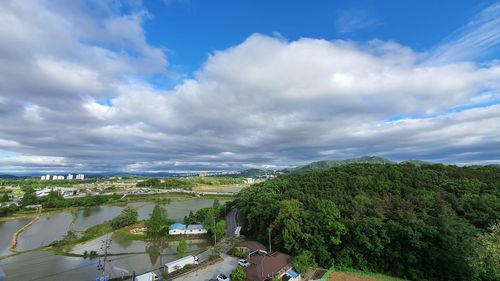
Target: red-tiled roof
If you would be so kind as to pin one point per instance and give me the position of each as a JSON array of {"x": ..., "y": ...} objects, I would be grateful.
[
  {"x": 251, "y": 245},
  {"x": 264, "y": 266}
]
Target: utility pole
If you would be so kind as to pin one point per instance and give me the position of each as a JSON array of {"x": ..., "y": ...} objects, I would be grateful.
[
  {"x": 105, "y": 246},
  {"x": 215, "y": 232},
  {"x": 269, "y": 229}
]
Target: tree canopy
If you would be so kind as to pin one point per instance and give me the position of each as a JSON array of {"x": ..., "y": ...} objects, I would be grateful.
[
  {"x": 182, "y": 247},
  {"x": 127, "y": 217},
  {"x": 419, "y": 222},
  {"x": 156, "y": 223}
]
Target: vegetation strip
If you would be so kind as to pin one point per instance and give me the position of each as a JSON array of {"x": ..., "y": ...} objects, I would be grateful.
[{"x": 13, "y": 243}]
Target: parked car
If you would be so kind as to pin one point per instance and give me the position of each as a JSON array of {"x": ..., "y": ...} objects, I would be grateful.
[
  {"x": 222, "y": 277},
  {"x": 243, "y": 263}
]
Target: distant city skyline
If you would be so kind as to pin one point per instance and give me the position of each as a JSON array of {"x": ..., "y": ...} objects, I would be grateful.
[{"x": 191, "y": 85}]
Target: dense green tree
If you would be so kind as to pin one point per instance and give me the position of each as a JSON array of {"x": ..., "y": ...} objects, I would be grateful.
[
  {"x": 413, "y": 221},
  {"x": 190, "y": 219},
  {"x": 208, "y": 217},
  {"x": 29, "y": 197},
  {"x": 238, "y": 274},
  {"x": 127, "y": 217},
  {"x": 219, "y": 230},
  {"x": 156, "y": 223},
  {"x": 289, "y": 221},
  {"x": 486, "y": 257},
  {"x": 182, "y": 247},
  {"x": 4, "y": 198},
  {"x": 8, "y": 210},
  {"x": 53, "y": 200},
  {"x": 303, "y": 261}
]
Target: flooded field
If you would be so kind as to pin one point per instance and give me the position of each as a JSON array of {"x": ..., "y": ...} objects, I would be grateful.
[
  {"x": 54, "y": 225},
  {"x": 129, "y": 254},
  {"x": 7, "y": 229}
]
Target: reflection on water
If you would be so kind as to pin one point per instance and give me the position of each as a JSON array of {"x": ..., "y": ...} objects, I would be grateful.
[
  {"x": 120, "y": 245},
  {"x": 53, "y": 226},
  {"x": 50, "y": 227},
  {"x": 87, "y": 217},
  {"x": 42, "y": 265},
  {"x": 7, "y": 229}
]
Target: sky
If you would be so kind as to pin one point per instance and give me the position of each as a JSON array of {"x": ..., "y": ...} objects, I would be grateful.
[{"x": 181, "y": 85}]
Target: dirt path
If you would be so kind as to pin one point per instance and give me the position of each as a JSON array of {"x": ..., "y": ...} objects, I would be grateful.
[{"x": 13, "y": 243}]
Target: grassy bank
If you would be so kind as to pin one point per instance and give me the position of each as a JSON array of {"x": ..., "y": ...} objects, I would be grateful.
[
  {"x": 350, "y": 274},
  {"x": 90, "y": 233}
]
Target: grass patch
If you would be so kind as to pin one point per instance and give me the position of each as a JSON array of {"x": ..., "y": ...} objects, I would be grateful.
[
  {"x": 89, "y": 234},
  {"x": 376, "y": 276}
]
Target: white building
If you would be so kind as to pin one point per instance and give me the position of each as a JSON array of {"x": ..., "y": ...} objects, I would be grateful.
[
  {"x": 80, "y": 176},
  {"x": 60, "y": 177},
  {"x": 64, "y": 191},
  {"x": 43, "y": 192},
  {"x": 69, "y": 177},
  {"x": 54, "y": 177},
  {"x": 42, "y": 178},
  {"x": 192, "y": 229},
  {"x": 249, "y": 180}
]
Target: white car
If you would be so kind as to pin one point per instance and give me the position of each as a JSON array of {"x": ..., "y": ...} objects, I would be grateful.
[
  {"x": 222, "y": 277},
  {"x": 243, "y": 263}
]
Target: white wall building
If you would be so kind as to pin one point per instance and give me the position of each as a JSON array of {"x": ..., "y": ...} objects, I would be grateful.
[
  {"x": 54, "y": 177},
  {"x": 80, "y": 176},
  {"x": 179, "y": 228},
  {"x": 43, "y": 192},
  {"x": 69, "y": 177}
]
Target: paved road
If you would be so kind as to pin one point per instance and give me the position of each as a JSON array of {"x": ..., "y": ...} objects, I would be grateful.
[
  {"x": 229, "y": 263},
  {"x": 226, "y": 267},
  {"x": 231, "y": 222},
  {"x": 224, "y": 245}
]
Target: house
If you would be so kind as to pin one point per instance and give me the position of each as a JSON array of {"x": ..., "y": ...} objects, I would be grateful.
[
  {"x": 68, "y": 191},
  {"x": 248, "y": 247},
  {"x": 264, "y": 267},
  {"x": 64, "y": 191},
  {"x": 43, "y": 192},
  {"x": 8, "y": 203},
  {"x": 179, "y": 228}
]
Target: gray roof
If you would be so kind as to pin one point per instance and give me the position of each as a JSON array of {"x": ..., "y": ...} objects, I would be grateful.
[{"x": 194, "y": 226}]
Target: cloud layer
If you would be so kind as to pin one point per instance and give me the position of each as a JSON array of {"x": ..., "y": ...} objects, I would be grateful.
[{"x": 75, "y": 96}]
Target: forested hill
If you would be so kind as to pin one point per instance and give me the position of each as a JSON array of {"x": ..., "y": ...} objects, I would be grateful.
[
  {"x": 423, "y": 222},
  {"x": 334, "y": 163}
]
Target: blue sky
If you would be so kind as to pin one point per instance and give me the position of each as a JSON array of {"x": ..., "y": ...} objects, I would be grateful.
[
  {"x": 169, "y": 85},
  {"x": 192, "y": 29}
]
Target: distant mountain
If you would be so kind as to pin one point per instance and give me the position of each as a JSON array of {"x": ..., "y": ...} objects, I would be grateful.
[
  {"x": 251, "y": 173},
  {"x": 325, "y": 164},
  {"x": 8, "y": 177}
]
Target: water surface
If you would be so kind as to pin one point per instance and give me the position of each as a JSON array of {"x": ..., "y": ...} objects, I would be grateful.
[
  {"x": 49, "y": 228},
  {"x": 7, "y": 229}
]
